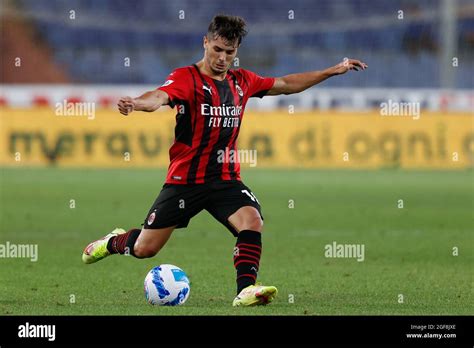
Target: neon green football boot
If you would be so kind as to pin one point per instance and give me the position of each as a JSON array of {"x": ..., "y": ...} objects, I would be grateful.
[
  {"x": 255, "y": 295},
  {"x": 97, "y": 250}
]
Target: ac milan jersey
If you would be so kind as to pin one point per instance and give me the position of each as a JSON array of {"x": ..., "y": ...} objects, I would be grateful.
[{"x": 208, "y": 120}]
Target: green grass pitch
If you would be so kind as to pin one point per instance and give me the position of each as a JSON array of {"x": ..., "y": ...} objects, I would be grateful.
[{"x": 408, "y": 251}]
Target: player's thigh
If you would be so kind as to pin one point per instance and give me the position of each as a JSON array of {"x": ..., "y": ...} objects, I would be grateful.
[
  {"x": 175, "y": 206},
  {"x": 152, "y": 240},
  {"x": 235, "y": 206}
]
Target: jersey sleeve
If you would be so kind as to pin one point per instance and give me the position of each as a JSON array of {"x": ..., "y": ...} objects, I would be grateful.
[
  {"x": 177, "y": 86},
  {"x": 258, "y": 85}
]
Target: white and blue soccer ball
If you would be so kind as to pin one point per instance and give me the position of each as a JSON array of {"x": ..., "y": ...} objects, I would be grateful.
[{"x": 166, "y": 285}]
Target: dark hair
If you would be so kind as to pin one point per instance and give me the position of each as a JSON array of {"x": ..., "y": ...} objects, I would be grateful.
[{"x": 230, "y": 28}]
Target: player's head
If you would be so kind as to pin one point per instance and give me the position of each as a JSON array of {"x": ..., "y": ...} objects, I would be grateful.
[{"x": 222, "y": 40}]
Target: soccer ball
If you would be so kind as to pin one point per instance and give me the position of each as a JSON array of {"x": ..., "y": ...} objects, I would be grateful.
[{"x": 166, "y": 285}]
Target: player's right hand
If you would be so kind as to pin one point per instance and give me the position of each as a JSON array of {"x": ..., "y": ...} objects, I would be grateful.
[{"x": 126, "y": 105}]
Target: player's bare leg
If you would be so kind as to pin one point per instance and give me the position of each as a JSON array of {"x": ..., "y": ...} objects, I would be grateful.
[
  {"x": 246, "y": 218},
  {"x": 248, "y": 223},
  {"x": 139, "y": 243},
  {"x": 150, "y": 241}
]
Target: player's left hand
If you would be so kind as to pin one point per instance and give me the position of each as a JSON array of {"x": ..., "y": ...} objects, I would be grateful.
[{"x": 348, "y": 64}]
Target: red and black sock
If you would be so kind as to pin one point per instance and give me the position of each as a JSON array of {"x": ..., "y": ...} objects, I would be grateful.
[
  {"x": 123, "y": 243},
  {"x": 247, "y": 258}
]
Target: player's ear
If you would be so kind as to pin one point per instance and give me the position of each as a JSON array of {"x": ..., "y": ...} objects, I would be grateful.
[{"x": 204, "y": 41}]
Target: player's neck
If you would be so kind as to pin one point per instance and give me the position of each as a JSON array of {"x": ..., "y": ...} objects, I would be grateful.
[{"x": 205, "y": 70}]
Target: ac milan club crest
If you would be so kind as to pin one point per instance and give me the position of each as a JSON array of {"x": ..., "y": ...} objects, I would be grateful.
[
  {"x": 151, "y": 218},
  {"x": 239, "y": 90}
]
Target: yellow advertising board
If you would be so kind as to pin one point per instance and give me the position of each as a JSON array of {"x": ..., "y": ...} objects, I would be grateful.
[{"x": 301, "y": 140}]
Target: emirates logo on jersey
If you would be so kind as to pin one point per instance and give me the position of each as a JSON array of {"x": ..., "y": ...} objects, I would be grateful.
[{"x": 223, "y": 110}]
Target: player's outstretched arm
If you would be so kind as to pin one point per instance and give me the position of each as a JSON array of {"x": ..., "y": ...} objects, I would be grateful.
[
  {"x": 148, "y": 102},
  {"x": 296, "y": 83}
]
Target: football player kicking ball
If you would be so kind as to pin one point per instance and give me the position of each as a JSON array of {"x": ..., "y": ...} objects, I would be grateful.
[{"x": 210, "y": 99}]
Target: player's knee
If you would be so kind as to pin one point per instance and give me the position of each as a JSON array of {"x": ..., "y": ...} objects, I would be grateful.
[
  {"x": 142, "y": 251},
  {"x": 254, "y": 223}
]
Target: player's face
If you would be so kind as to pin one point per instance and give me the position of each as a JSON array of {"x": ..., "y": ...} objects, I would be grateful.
[{"x": 219, "y": 54}]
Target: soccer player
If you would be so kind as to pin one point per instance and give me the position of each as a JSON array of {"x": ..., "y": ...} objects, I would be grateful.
[{"x": 210, "y": 99}]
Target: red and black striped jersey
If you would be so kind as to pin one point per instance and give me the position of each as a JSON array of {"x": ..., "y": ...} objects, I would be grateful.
[{"x": 208, "y": 120}]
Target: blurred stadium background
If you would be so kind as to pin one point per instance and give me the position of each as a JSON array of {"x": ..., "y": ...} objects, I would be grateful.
[
  {"x": 309, "y": 145},
  {"x": 160, "y": 35},
  {"x": 95, "y": 51}
]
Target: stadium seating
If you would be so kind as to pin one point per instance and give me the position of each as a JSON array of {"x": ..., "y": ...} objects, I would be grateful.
[{"x": 149, "y": 32}]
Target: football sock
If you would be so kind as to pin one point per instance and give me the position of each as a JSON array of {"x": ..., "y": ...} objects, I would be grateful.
[
  {"x": 123, "y": 243},
  {"x": 247, "y": 258}
]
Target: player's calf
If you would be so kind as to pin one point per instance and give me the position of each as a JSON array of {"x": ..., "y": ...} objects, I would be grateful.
[
  {"x": 150, "y": 241},
  {"x": 143, "y": 251},
  {"x": 139, "y": 243},
  {"x": 247, "y": 258}
]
